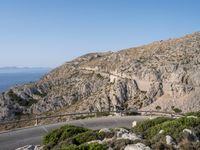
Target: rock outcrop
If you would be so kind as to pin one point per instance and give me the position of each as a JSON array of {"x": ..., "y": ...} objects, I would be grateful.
[
  {"x": 138, "y": 146},
  {"x": 164, "y": 74}
]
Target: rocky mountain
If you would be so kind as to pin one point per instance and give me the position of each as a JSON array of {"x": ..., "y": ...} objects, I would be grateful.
[{"x": 163, "y": 74}]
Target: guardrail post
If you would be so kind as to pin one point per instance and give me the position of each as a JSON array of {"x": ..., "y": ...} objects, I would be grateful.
[
  {"x": 59, "y": 119},
  {"x": 95, "y": 114},
  {"x": 150, "y": 115},
  {"x": 36, "y": 123}
]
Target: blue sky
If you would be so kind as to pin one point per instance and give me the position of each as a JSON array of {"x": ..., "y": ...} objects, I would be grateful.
[{"x": 46, "y": 33}]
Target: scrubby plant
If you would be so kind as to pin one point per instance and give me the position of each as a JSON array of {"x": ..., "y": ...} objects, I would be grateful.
[
  {"x": 172, "y": 127},
  {"x": 176, "y": 110},
  {"x": 22, "y": 102},
  {"x": 69, "y": 137},
  {"x": 63, "y": 133},
  {"x": 100, "y": 114},
  {"x": 158, "y": 108},
  {"x": 144, "y": 125},
  {"x": 84, "y": 117},
  {"x": 42, "y": 94},
  {"x": 86, "y": 137},
  {"x": 92, "y": 146},
  {"x": 197, "y": 114},
  {"x": 131, "y": 111},
  {"x": 99, "y": 76}
]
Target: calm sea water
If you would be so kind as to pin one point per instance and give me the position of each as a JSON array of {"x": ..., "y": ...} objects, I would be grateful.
[{"x": 10, "y": 79}]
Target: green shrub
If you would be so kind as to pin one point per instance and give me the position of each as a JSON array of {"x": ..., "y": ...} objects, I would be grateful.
[
  {"x": 63, "y": 133},
  {"x": 88, "y": 136},
  {"x": 92, "y": 146},
  {"x": 158, "y": 108},
  {"x": 172, "y": 127},
  {"x": 100, "y": 114},
  {"x": 84, "y": 117},
  {"x": 144, "y": 125},
  {"x": 22, "y": 102},
  {"x": 197, "y": 114},
  {"x": 100, "y": 76},
  {"x": 176, "y": 110},
  {"x": 131, "y": 112},
  {"x": 42, "y": 94}
]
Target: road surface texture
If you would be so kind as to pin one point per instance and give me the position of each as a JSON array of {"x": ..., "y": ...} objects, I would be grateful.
[{"x": 33, "y": 136}]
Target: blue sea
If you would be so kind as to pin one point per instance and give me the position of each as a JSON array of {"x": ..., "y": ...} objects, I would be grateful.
[{"x": 9, "y": 78}]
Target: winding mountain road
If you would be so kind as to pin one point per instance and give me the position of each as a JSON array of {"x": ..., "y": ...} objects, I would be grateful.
[{"x": 13, "y": 139}]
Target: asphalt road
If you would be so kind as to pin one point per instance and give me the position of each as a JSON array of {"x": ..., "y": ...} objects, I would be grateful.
[{"x": 33, "y": 136}]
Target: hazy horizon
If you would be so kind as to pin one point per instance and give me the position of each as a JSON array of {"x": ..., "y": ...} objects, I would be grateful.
[{"x": 49, "y": 33}]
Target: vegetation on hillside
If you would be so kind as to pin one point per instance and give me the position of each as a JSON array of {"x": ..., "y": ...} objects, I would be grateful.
[
  {"x": 155, "y": 132},
  {"x": 184, "y": 131},
  {"x": 22, "y": 102},
  {"x": 72, "y": 137}
]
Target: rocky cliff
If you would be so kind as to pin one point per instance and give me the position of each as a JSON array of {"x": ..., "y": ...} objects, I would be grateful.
[{"x": 163, "y": 74}]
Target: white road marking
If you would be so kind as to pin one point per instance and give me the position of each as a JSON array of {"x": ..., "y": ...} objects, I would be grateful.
[{"x": 45, "y": 129}]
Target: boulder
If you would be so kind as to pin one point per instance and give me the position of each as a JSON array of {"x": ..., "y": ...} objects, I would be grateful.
[
  {"x": 190, "y": 135},
  {"x": 188, "y": 131},
  {"x": 161, "y": 131},
  {"x": 138, "y": 146},
  {"x": 106, "y": 140},
  {"x": 110, "y": 148},
  {"x": 134, "y": 123},
  {"x": 130, "y": 136},
  {"x": 121, "y": 131},
  {"x": 95, "y": 141},
  {"x": 170, "y": 140},
  {"x": 105, "y": 130}
]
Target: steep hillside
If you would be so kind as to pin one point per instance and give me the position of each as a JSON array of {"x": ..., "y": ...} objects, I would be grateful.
[{"x": 164, "y": 74}]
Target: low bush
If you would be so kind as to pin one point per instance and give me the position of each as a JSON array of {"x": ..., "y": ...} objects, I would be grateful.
[
  {"x": 84, "y": 117},
  {"x": 144, "y": 125},
  {"x": 158, "y": 108},
  {"x": 92, "y": 146},
  {"x": 90, "y": 136},
  {"x": 100, "y": 114},
  {"x": 72, "y": 137},
  {"x": 63, "y": 133},
  {"x": 172, "y": 127},
  {"x": 176, "y": 110},
  {"x": 86, "y": 137},
  {"x": 22, "y": 102},
  {"x": 132, "y": 112},
  {"x": 197, "y": 114}
]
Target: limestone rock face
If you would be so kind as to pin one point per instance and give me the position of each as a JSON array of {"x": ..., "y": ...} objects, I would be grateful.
[{"x": 164, "y": 73}]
